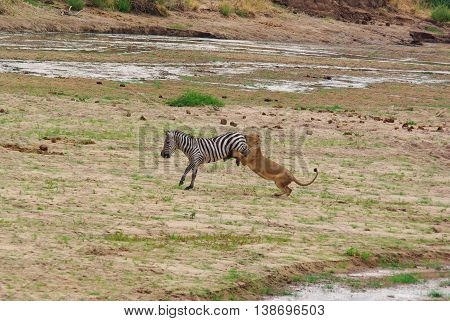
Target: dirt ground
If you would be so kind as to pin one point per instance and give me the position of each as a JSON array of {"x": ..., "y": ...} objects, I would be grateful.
[
  {"x": 280, "y": 25},
  {"x": 90, "y": 211}
]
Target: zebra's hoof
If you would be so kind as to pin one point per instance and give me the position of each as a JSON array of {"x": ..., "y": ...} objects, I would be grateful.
[
  {"x": 189, "y": 187},
  {"x": 180, "y": 183}
]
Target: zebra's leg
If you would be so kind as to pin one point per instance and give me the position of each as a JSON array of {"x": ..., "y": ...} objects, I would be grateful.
[
  {"x": 188, "y": 169},
  {"x": 194, "y": 175}
]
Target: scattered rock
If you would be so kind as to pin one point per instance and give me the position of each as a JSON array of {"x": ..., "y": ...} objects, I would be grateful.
[
  {"x": 421, "y": 128},
  {"x": 122, "y": 85},
  {"x": 440, "y": 129},
  {"x": 388, "y": 24},
  {"x": 405, "y": 125},
  {"x": 267, "y": 100},
  {"x": 435, "y": 229},
  {"x": 223, "y": 121},
  {"x": 3, "y": 111},
  {"x": 278, "y": 127},
  {"x": 410, "y": 128},
  {"x": 142, "y": 117},
  {"x": 388, "y": 120},
  {"x": 188, "y": 111},
  {"x": 233, "y": 124},
  {"x": 99, "y": 83},
  {"x": 96, "y": 102},
  {"x": 243, "y": 117},
  {"x": 224, "y": 97},
  {"x": 396, "y": 128},
  {"x": 361, "y": 121},
  {"x": 128, "y": 114},
  {"x": 347, "y": 133},
  {"x": 264, "y": 114},
  {"x": 53, "y": 140},
  {"x": 43, "y": 147},
  {"x": 309, "y": 132},
  {"x": 376, "y": 118},
  {"x": 327, "y": 77},
  {"x": 160, "y": 96},
  {"x": 367, "y": 229},
  {"x": 330, "y": 121}
]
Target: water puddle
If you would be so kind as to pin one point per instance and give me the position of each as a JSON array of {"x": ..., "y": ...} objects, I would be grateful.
[
  {"x": 340, "y": 76},
  {"x": 329, "y": 290},
  {"x": 321, "y": 292}
]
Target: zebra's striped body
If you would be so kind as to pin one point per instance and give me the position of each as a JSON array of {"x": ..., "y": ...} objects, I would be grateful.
[{"x": 203, "y": 150}]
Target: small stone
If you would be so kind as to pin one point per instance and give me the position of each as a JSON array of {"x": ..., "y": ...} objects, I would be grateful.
[
  {"x": 97, "y": 101},
  {"x": 435, "y": 229},
  {"x": 421, "y": 128},
  {"x": 278, "y": 127},
  {"x": 53, "y": 140},
  {"x": 327, "y": 77},
  {"x": 243, "y": 117},
  {"x": 309, "y": 132},
  {"x": 122, "y": 85},
  {"x": 142, "y": 117},
  {"x": 347, "y": 133},
  {"x": 223, "y": 121},
  {"x": 389, "y": 120},
  {"x": 396, "y": 128},
  {"x": 224, "y": 97},
  {"x": 330, "y": 121},
  {"x": 233, "y": 124},
  {"x": 188, "y": 111},
  {"x": 440, "y": 129},
  {"x": 43, "y": 148},
  {"x": 160, "y": 96},
  {"x": 388, "y": 24},
  {"x": 128, "y": 114},
  {"x": 264, "y": 114},
  {"x": 267, "y": 100},
  {"x": 3, "y": 111},
  {"x": 99, "y": 83}
]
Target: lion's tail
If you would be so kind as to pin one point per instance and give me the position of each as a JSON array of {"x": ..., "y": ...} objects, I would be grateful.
[{"x": 309, "y": 183}]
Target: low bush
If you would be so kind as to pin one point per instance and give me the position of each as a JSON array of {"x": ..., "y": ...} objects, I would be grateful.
[
  {"x": 441, "y": 14},
  {"x": 76, "y": 5},
  {"x": 123, "y": 5},
  {"x": 193, "y": 98}
]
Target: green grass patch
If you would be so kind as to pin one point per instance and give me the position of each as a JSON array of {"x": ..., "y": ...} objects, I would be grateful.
[
  {"x": 434, "y": 29},
  {"x": 441, "y": 14},
  {"x": 435, "y": 294},
  {"x": 319, "y": 108},
  {"x": 192, "y": 98},
  {"x": 225, "y": 9},
  {"x": 404, "y": 278},
  {"x": 123, "y": 5},
  {"x": 410, "y": 122},
  {"x": 76, "y": 5}
]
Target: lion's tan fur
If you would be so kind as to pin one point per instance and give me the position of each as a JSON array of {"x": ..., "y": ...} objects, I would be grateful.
[{"x": 267, "y": 168}]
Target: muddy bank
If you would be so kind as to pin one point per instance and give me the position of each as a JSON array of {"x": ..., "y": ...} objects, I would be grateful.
[{"x": 279, "y": 26}]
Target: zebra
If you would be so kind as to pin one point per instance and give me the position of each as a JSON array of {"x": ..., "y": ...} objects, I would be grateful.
[{"x": 202, "y": 150}]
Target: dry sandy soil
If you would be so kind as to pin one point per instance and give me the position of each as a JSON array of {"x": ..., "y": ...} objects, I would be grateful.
[
  {"x": 90, "y": 211},
  {"x": 280, "y": 25}
]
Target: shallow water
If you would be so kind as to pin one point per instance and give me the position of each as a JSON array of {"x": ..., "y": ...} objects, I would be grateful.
[
  {"x": 338, "y": 292},
  {"x": 341, "y": 76},
  {"x": 321, "y": 292}
]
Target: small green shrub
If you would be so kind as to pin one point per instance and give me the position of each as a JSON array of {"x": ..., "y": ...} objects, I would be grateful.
[
  {"x": 435, "y": 294},
  {"x": 225, "y": 9},
  {"x": 434, "y": 29},
  {"x": 406, "y": 278},
  {"x": 76, "y": 5},
  {"x": 441, "y": 14},
  {"x": 192, "y": 98},
  {"x": 352, "y": 252},
  {"x": 123, "y": 5}
]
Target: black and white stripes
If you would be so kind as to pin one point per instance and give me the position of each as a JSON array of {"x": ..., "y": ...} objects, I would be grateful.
[{"x": 202, "y": 150}]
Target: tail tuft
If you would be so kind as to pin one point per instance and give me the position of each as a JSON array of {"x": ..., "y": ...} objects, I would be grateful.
[{"x": 315, "y": 170}]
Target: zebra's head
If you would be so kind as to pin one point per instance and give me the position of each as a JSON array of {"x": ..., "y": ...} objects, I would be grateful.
[{"x": 169, "y": 145}]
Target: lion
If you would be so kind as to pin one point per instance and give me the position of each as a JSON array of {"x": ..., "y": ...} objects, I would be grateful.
[{"x": 267, "y": 168}]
